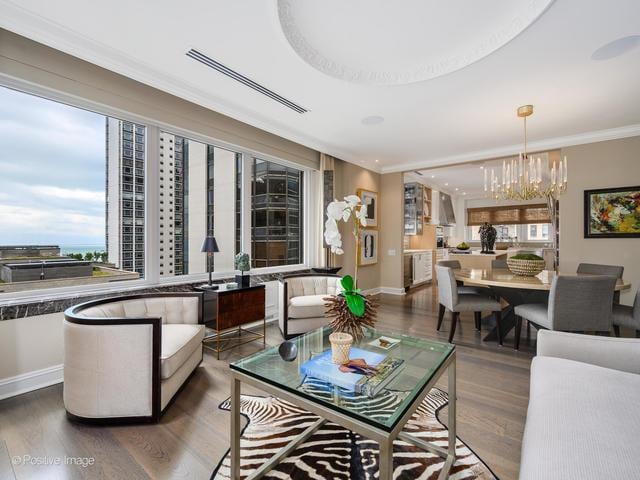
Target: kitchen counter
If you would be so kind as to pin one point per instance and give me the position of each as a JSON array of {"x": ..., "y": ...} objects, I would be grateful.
[
  {"x": 478, "y": 260},
  {"x": 411, "y": 251}
]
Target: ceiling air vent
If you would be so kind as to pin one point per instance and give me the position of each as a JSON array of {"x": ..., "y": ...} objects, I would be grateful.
[{"x": 210, "y": 62}]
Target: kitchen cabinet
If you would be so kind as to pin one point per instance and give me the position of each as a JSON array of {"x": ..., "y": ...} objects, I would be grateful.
[
  {"x": 422, "y": 267},
  {"x": 413, "y": 208}
]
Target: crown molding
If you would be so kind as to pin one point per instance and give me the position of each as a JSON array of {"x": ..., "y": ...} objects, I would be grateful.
[{"x": 540, "y": 145}]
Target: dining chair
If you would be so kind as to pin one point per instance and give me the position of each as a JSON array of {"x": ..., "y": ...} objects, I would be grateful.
[
  {"x": 576, "y": 304},
  {"x": 455, "y": 264},
  {"x": 499, "y": 263},
  {"x": 456, "y": 303},
  {"x": 627, "y": 316},
  {"x": 599, "y": 269}
]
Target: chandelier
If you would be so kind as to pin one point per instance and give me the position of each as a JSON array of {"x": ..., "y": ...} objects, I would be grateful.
[{"x": 522, "y": 177}]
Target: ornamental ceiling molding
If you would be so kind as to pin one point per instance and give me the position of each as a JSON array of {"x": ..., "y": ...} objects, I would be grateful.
[{"x": 432, "y": 68}]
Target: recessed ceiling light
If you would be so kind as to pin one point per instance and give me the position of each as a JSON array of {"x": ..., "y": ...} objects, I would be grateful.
[
  {"x": 372, "y": 120},
  {"x": 456, "y": 189},
  {"x": 481, "y": 167},
  {"x": 377, "y": 161},
  {"x": 446, "y": 184},
  {"x": 433, "y": 176},
  {"x": 616, "y": 48},
  {"x": 464, "y": 193}
]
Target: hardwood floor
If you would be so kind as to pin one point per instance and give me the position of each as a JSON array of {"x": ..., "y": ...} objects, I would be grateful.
[{"x": 493, "y": 390}]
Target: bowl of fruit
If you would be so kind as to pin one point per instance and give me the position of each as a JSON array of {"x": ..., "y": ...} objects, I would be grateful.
[{"x": 463, "y": 246}]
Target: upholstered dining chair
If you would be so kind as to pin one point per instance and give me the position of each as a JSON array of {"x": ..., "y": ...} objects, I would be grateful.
[
  {"x": 455, "y": 264},
  {"x": 465, "y": 302},
  {"x": 627, "y": 316},
  {"x": 499, "y": 263},
  {"x": 576, "y": 304},
  {"x": 598, "y": 269}
]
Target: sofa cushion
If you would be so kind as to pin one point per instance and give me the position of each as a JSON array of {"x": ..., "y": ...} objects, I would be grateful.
[
  {"x": 308, "y": 306},
  {"x": 178, "y": 343},
  {"x": 582, "y": 423}
]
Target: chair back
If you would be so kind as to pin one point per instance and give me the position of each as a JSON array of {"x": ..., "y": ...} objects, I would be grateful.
[
  {"x": 597, "y": 269},
  {"x": 499, "y": 263},
  {"x": 636, "y": 306},
  {"x": 582, "y": 303},
  {"x": 447, "y": 287},
  {"x": 455, "y": 264}
]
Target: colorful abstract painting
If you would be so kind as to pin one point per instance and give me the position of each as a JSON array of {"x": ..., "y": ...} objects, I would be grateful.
[{"x": 612, "y": 212}]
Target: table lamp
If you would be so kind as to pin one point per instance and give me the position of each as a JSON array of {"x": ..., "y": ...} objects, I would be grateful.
[{"x": 210, "y": 246}]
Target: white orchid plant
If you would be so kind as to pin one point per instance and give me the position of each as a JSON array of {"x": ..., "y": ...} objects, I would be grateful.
[{"x": 351, "y": 210}]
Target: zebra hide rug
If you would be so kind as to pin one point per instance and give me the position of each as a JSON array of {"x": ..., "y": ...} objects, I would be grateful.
[{"x": 334, "y": 452}]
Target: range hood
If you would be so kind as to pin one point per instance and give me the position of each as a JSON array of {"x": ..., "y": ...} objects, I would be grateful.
[{"x": 447, "y": 216}]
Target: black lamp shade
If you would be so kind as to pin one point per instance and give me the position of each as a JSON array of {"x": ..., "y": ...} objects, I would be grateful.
[{"x": 210, "y": 245}]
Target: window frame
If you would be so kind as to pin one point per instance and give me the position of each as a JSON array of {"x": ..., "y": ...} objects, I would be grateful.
[{"x": 152, "y": 209}]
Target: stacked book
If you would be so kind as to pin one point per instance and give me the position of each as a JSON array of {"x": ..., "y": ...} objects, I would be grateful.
[{"x": 384, "y": 370}]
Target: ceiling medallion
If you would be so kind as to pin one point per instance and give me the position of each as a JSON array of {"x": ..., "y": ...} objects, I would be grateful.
[
  {"x": 522, "y": 178},
  {"x": 377, "y": 42}
]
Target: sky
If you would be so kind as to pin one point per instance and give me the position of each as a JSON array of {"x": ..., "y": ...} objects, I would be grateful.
[{"x": 52, "y": 172}]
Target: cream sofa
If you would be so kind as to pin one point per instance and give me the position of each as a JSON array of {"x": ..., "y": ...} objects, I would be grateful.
[
  {"x": 302, "y": 301},
  {"x": 126, "y": 357},
  {"x": 583, "y": 419}
]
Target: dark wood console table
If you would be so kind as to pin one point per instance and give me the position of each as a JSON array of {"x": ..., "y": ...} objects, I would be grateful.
[{"x": 225, "y": 311}]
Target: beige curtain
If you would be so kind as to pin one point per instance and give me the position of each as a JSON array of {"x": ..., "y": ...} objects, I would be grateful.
[{"x": 325, "y": 188}]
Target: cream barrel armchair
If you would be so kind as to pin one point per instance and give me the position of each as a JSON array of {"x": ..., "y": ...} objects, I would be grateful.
[
  {"x": 302, "y": 304},
  {"x": 126, "y": 357}
]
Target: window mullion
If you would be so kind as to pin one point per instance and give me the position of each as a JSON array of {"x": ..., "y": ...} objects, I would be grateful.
[{"x": 152, "y": 229}]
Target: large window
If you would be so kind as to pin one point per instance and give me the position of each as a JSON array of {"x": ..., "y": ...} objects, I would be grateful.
[
  {"x": 72, "y": 195},
  {"x": 276, "y": 222},
  {"x": 80, "y": 191},
  {"x": 198, "y": 185}
]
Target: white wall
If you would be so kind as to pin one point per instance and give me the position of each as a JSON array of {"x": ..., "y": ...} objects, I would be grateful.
[{"x": 615, "y": 163}]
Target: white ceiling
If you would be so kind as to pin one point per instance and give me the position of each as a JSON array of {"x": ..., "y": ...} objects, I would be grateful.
[{"x": 464, "y": 115}]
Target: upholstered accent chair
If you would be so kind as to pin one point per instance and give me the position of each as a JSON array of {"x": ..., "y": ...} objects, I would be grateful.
[
  {"x": 125, "y": 358},
  {"x": 583, "y": 303},
  {"x": 456, "y": 303},
  {"x": 302, "y": 301}
]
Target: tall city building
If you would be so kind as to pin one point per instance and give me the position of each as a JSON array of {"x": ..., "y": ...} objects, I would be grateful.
[
  {"x": 276, "y": 215},
  {"x": 125, "y": 185}
]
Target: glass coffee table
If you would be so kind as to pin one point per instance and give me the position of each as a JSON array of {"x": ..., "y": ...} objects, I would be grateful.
[{"x": 424, "y": 363}]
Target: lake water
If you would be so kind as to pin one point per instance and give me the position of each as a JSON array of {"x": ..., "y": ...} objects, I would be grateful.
[{"x": 67, "y": 249}]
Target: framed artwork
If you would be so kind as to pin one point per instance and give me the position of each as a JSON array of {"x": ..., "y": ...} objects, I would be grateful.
[
  {"x": 368, "y": 247},
  {"x": 370, "y": 202},
  {"x": 612, "y": 213}
]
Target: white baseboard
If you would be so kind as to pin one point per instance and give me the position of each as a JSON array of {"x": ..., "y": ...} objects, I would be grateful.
[
  {"x": 27, "y": 382},
  {"x": 389, "y": 290}
]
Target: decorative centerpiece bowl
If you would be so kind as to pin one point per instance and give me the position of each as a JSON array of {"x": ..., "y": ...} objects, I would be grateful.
[
  {"x": 526, "y": 264},
  {"x": 463, "y": 246}
]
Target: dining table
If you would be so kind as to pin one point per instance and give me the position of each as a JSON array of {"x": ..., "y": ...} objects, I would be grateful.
[{"x": 514, "y": 290}]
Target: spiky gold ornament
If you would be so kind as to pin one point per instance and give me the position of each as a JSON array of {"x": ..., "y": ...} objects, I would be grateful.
[{"x": 345, "y": 321}]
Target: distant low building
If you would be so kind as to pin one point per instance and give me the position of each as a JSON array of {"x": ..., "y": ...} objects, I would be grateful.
[{"x": 28, "y": 251}]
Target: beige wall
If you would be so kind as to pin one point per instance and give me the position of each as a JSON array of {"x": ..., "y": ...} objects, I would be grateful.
[
  {"x": 25, "y": 59},
  {"x": 615, "y": 163},
  {"x": 30, "y": 344},
  {"x": 348, "y": 178},
  {"x": 391, "y": 207}
]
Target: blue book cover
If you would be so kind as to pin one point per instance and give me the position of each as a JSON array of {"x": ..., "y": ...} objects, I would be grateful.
[{"x": 322, "y": 368}]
